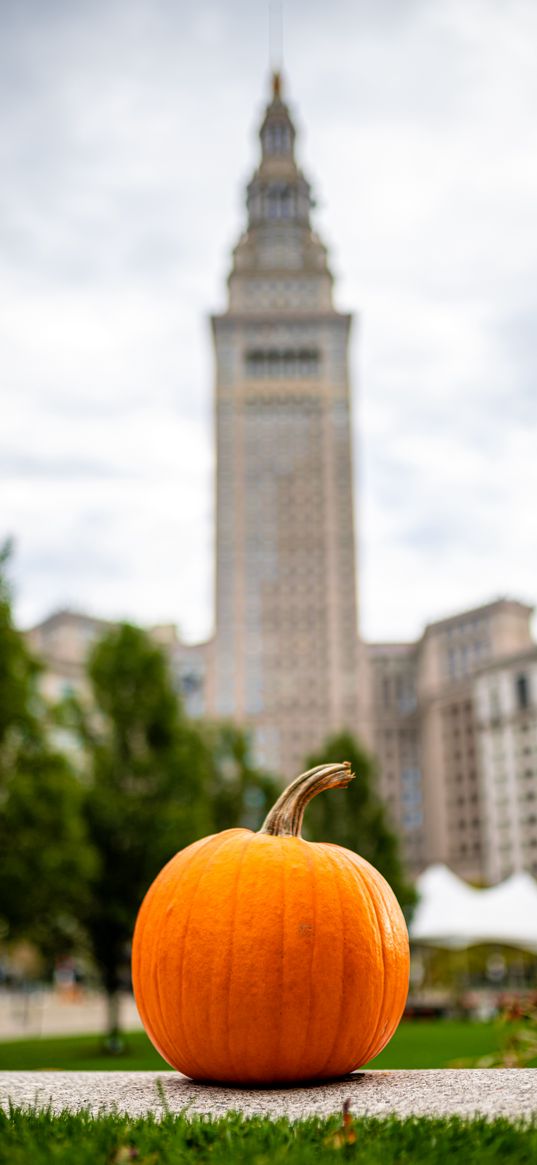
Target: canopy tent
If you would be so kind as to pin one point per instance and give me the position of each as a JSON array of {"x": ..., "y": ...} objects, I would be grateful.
[{"x": 452, "y": 914}]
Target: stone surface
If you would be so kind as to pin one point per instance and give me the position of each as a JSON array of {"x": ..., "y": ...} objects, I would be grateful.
[{"x": 443, "y": 1092}]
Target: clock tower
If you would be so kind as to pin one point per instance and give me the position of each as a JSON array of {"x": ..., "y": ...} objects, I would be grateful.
[{"x": 286, "y": 652}]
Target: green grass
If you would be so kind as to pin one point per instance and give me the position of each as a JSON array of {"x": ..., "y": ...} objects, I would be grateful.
[
  {"x": 79, "y": 1053},
  {"x": 39, "y": 1138},
  {"x": 436, "y": 1043},
  {"x": 423, "y": 1044}
]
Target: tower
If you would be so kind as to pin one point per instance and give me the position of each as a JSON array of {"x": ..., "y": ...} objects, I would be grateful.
[{"x": 286, "y": 651}]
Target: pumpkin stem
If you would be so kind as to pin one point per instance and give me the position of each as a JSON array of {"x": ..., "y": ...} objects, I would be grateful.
[{"x": 285, "y": 817}]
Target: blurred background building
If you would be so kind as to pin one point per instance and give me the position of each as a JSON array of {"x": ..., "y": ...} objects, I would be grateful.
[
  {"x": 452, "y": 718},
  {"x": 286, "y": 651},
  {"x": 430, "y": 704}
]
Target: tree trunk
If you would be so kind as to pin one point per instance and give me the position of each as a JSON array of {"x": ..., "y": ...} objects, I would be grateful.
[{"x": 114, "y": 1040}]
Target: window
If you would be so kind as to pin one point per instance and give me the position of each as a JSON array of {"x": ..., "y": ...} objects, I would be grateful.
[
  {"x": 522, "y": 689},
  {"x": 280, "y": 201},
  {"x": 413, "y": 819},
  {"x": 277, "y": 138}
]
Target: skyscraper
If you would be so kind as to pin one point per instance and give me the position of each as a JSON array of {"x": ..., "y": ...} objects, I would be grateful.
[{"x": 286, "y": 651}]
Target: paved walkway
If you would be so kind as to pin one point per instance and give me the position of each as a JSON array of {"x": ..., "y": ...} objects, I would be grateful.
[
  {"x": 50, "y": 1013},
  {"x": 440, "y": 1092}
]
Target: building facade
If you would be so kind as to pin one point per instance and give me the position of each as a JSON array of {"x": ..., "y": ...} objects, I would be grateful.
[
  {"x": 63, "y": 643},
  {"x": 396, "y": 742},
  {"x": 505, "y": 696},
  {"x": 286, "y": 647},
  {"x": 434, "y": 773}
]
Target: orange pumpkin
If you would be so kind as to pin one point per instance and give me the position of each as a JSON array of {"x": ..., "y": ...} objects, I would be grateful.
[{"x": 261, "y": 958}]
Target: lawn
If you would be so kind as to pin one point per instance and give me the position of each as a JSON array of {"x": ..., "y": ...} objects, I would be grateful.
[
  {"x": 37, "y": 1139},
  {"x": 421, "y": 1044}
]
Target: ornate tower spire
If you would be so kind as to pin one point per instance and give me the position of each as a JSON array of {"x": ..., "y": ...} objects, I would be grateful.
[
  {"x": 278, "y": 190},
  {"x": 279, "y": 235}
]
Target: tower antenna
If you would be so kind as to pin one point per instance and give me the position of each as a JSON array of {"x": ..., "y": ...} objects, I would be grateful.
[{"x": 276, "y": 36}]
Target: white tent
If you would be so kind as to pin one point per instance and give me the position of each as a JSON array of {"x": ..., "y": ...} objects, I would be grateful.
[{"x": 452, "y": 914}]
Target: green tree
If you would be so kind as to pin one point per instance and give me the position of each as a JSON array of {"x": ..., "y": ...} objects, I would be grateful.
[
  {"x": 146, "y": 772},
  {"x": 46, "y": 858},
  {"x": 156, "y": 782},
  {"x": 356, "y": 818},
  {"x": 18, "y": 680}
]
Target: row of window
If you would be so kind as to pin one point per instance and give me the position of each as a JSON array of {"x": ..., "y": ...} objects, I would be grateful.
[
  {"x": 288, "y": 412},
  {"x": 522, "y": 694},
  {"x": 502, "y": 777},
  {"x": 475, "y": 625},
  {"x": 283, "y": 294},
  {"x": 464, "y": 659},
  {"x": 273, "y": 364},
  {"x": 398, "y": 690},
  {"x": 279, "y": 202}
]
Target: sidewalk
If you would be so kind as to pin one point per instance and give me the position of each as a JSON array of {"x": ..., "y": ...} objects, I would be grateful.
[
  {"x": 506, "y": 1092},
  {"x": 24, "y": 1015}
]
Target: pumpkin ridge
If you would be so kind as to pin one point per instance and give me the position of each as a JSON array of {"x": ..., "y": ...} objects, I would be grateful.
[
  {"x": 390, "y": 1002},
  {"x": 281, "y": 959},
  {"x": 308, "y": 977},
  {"x": 395, "y": 1009},
  {"x": 152, "y": 1017},
  {"x": 180, "y": 1012},
  {"x": 141, "y": 926},
  {"x": 365, "y": 871},
  {"x": 159, "y": 1010},
  {"x": 229, "y": 975},
  {"x": 380, "y": 930},
  {"x": 335, "y": 878}
]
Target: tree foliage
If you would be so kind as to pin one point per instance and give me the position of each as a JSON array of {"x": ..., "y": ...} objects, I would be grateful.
[
  {"x": 155, "y": 783},
  {"x": 18, "y": 674},
  {"x": 144, "y": 771},
  {"x": 46, "y": 859},
  {"x": 356, "y": 818}
]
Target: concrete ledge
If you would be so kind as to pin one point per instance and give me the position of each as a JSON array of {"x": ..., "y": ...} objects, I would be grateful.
[{"x": 506, "y": 1092}]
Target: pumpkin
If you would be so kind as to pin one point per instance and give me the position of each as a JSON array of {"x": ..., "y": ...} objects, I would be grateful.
[{"x": 261, "y": 958}]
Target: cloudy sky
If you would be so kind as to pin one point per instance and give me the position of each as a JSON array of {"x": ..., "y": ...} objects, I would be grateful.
[{"x": 128, "y": 132}]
